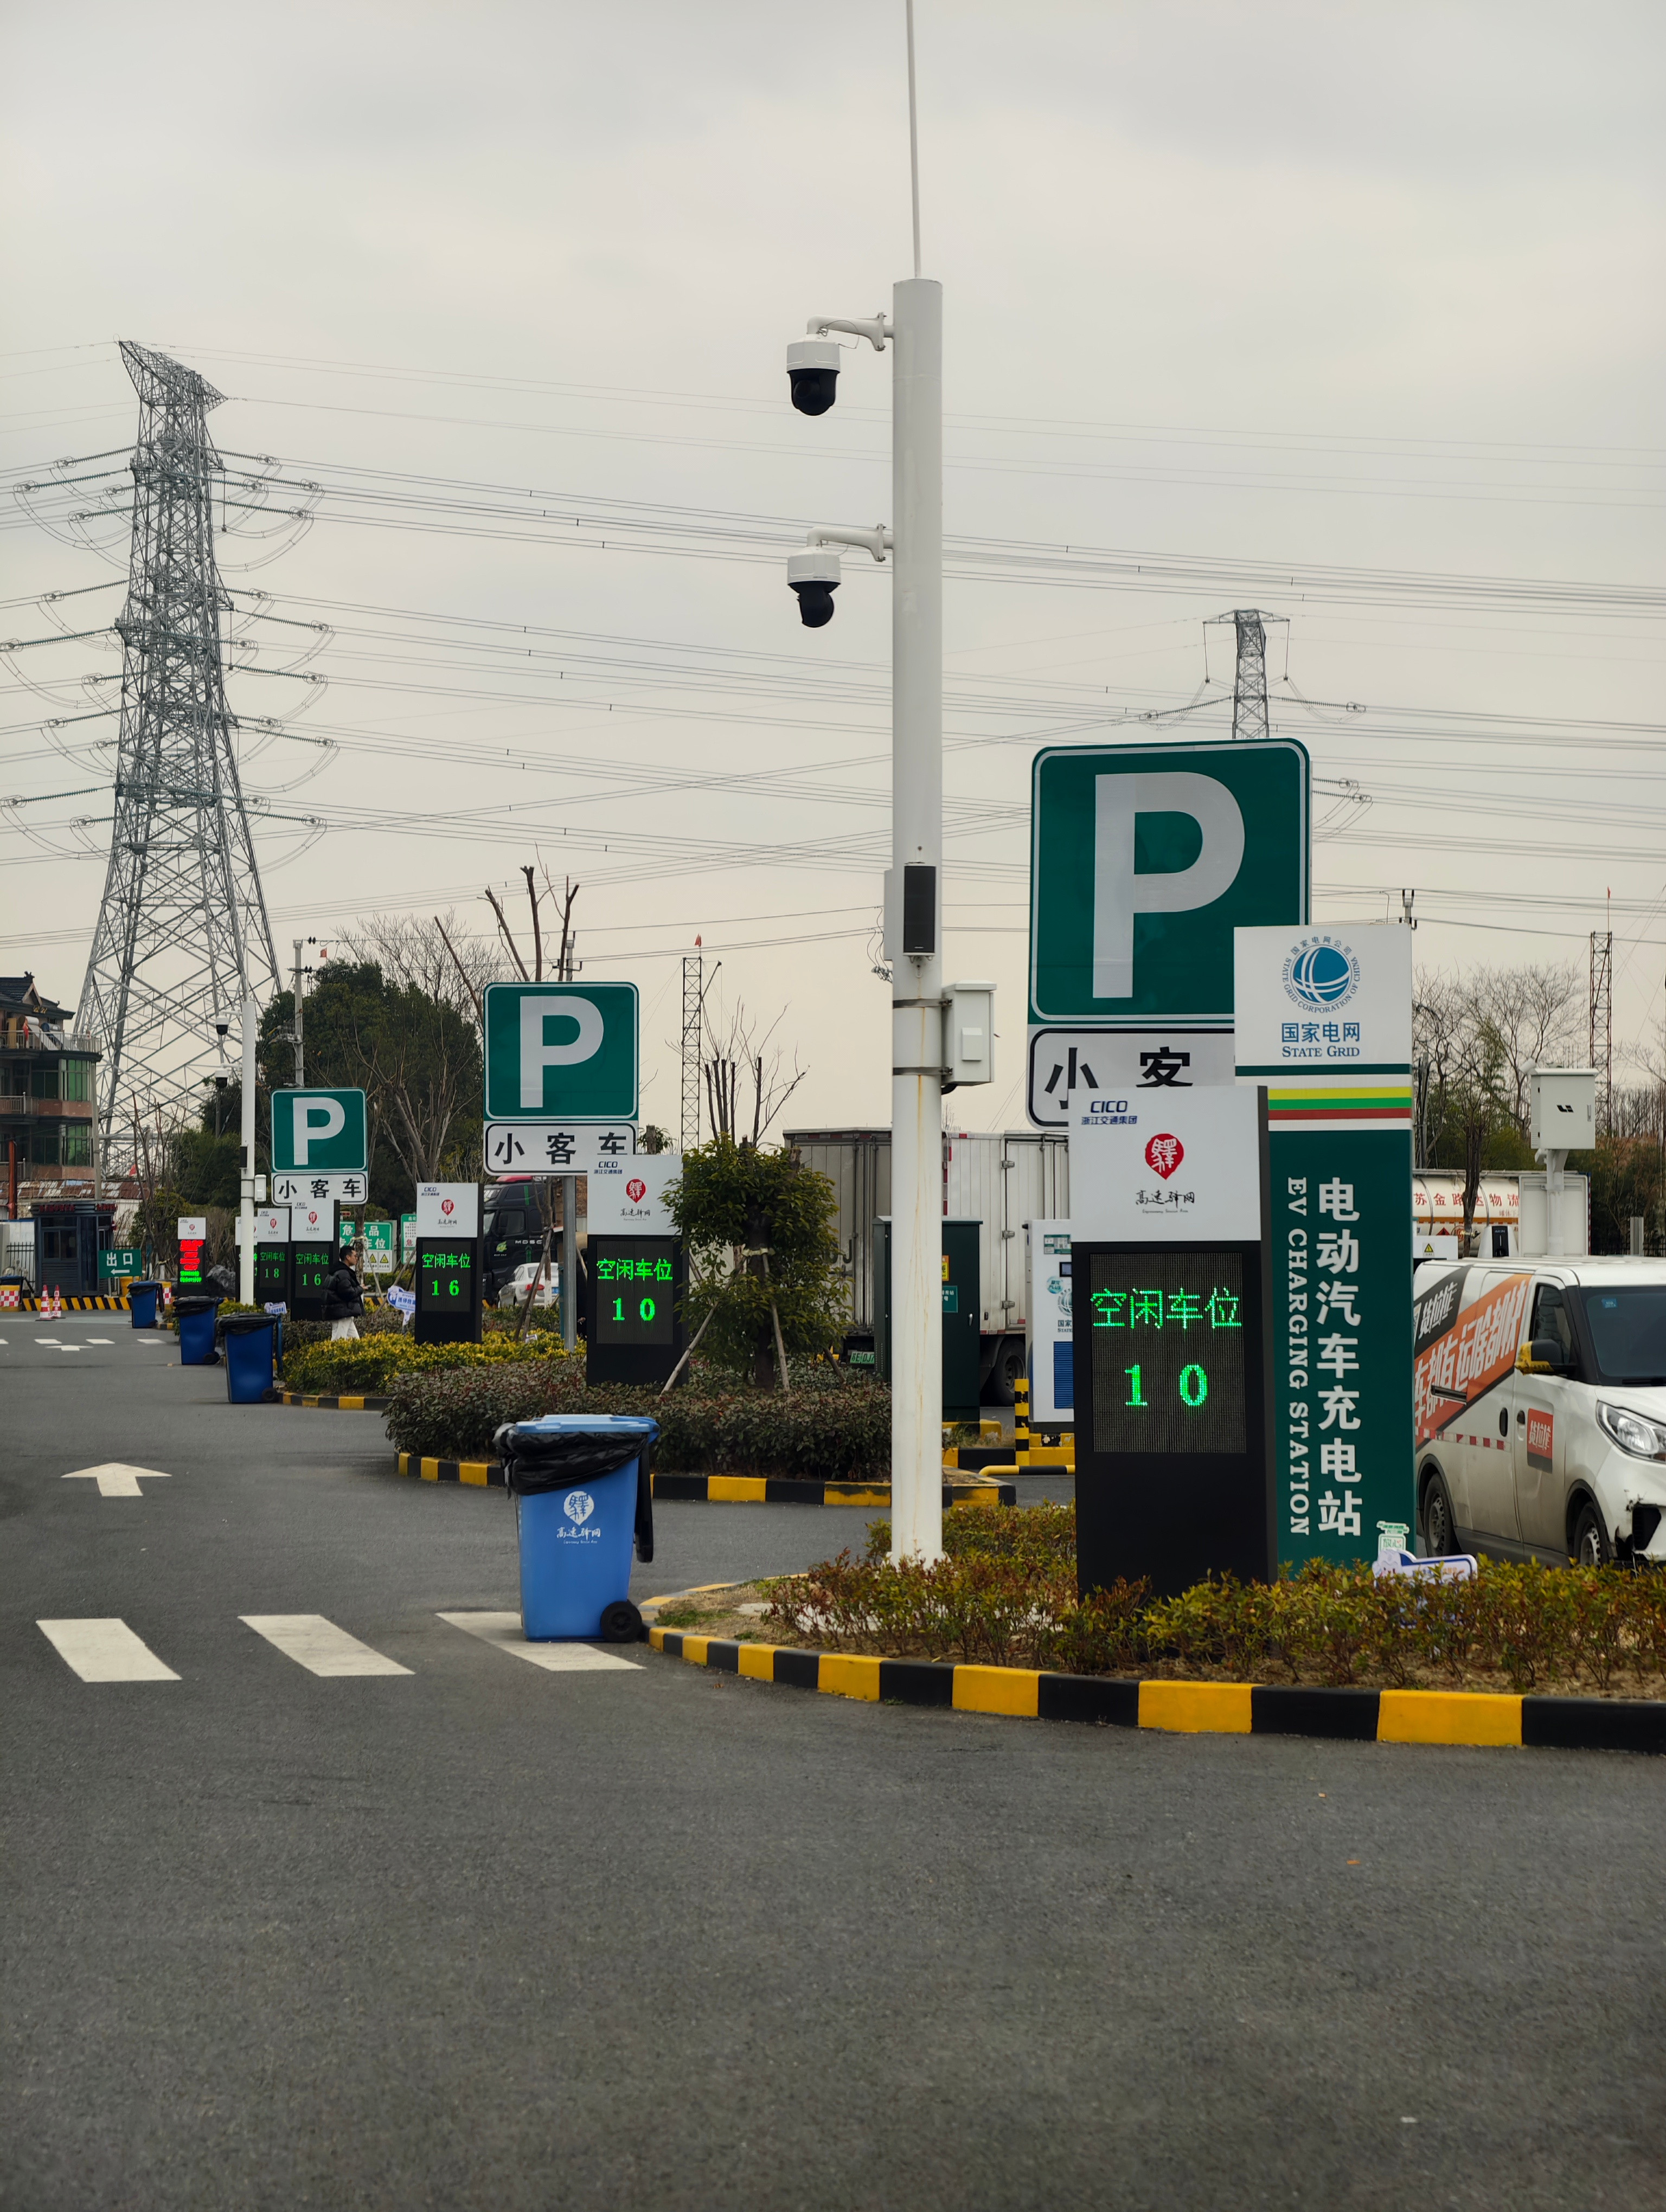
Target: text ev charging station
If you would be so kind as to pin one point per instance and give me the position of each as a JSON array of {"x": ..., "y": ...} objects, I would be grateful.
[{"x": 447, "y": 1263}]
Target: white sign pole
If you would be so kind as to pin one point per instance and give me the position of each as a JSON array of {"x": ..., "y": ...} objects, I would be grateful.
[{"x": 245, "y": 1208}]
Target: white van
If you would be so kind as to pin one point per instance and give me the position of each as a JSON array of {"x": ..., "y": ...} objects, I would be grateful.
[{"x": 1540, "y": 1408}]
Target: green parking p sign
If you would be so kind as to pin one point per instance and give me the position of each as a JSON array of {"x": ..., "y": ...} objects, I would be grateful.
[
  {"x": 1145, "y": 860},
  {"x": 560, "y": 1051},
  {"x": 319, "y": 1132}
]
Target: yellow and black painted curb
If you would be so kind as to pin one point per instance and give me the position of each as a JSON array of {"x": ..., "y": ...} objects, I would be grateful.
[
  {"x": 477, "y": 1473},
  {"x": 363, "y": 1405},
  {"x": 74, "y": 1305},
  {"x": 1450, "y": 1716},
  {"x": 716, "y": 1489}
]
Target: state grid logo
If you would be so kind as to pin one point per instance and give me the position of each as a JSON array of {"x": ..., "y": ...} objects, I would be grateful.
[
  {"x": 577, "y": 1506},
  {"x": 1320, "y": 972}
]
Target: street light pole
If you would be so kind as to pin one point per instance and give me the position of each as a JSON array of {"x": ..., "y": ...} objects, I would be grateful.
[
  {"x": 916, "y": 1138},
  {"x": 246, "y": 1189}
]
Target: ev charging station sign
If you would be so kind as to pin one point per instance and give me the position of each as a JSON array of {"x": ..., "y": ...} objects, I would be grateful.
[
  {"x": 563, "y": 1052},
  {"x": 319, "y": 1132},
  {"x": 1144, "y": 860}
]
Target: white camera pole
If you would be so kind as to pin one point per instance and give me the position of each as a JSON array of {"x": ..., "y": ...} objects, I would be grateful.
[
  {"x": 917, "y": 1105},
  {"x": 246, "y": 1209},
  {"x": 916, "y": 831}
]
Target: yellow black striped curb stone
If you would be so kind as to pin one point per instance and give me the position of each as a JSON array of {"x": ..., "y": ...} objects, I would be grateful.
[
  {"x": 367, "y": 1404},
  {"x": 719, "y": 1489},
  {"x": 1450, "y": 1716}
]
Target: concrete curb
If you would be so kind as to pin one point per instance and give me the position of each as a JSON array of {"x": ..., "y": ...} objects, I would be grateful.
[
  {"x": 702, "y": 1489},
  {"x": 1449, "y": 1716},
  {"x": 361, "y": 1405}
]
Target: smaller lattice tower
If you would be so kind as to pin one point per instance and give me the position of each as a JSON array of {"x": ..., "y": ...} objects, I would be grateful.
[
  {"x": 694, "y": 966},
  {"x": 1602, "y": 1025}
]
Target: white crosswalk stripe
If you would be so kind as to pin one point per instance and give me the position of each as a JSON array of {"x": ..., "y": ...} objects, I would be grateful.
[
  {"x": 503, "y": 1629},
  {"x": 106, "y": 1651},
  {"x": 318, "y": 1645}
]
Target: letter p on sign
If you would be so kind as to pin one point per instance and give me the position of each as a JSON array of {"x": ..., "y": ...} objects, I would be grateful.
[
  {"x": 538, "y": 1016},
  {"x": 1120, "y": 892},
  {"x": 317, "y": 1120}
]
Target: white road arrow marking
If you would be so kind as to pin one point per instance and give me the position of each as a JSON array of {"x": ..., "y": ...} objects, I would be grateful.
[{"x": 115, "y": 1480}]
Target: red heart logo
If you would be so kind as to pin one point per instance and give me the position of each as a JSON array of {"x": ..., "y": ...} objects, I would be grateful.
[
  {"x": 1164, "y": 1155},
  {"x": 636, "y": 1190}
]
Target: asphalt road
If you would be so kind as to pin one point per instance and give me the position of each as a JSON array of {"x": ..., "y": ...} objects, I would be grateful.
[{"x": 479, "y": 1934}]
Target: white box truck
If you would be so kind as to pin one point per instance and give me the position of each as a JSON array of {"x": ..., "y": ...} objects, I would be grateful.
[{"x": 1003, "y": 1179}]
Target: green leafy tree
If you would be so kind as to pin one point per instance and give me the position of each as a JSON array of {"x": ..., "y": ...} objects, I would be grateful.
[{"x": 762, "y": 1254}]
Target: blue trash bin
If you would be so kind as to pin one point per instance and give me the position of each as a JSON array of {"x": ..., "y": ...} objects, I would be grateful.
[
  {"x": 251, "y": 1342},
  {"x": 196, "y": 1320},
  {"x": 142, "y": 1303},
  {"x": 583, "y": 1489}
]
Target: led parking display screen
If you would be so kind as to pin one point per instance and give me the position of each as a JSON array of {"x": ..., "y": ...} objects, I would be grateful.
[
  {"x": 445, "y": 1277},
  {"x": 635, "y": 1288},
  {"x": 1166, "y": 1348},
  {"x": 271, "y": 1274},
  {"x": 314, "y": 1264}
]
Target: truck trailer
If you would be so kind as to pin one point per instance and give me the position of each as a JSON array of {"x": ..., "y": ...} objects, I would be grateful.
[{"x": 1002, "y": 1180}]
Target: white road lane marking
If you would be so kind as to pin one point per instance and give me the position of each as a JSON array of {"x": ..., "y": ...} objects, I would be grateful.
[
  {"x": 318, "y": 1645},
  {"x": 116, "y": 1481},
  {"x": 503, "y": 1629},
  {"x": 100, "y": 1339},
  {"x": 105, "y": 1651},
  {"x": 52, "y": 1340}
]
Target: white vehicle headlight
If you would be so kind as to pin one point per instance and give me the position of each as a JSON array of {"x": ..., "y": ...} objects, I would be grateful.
[{"x": 1642, "y": 1439}]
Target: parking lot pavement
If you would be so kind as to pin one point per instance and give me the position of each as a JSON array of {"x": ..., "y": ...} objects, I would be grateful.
[{"x": 335, "y": 1898}]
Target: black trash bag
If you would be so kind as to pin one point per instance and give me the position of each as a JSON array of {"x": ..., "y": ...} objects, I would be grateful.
[
  {"x": 193, "y": 1302},
  {"x": 222, "y": 1280},
  {"x": 243, "y": 1324},
  {"x": 539, "y": 1462}
]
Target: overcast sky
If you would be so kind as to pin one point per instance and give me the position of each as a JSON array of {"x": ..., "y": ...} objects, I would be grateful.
[{"x": 1371, "y": 286}]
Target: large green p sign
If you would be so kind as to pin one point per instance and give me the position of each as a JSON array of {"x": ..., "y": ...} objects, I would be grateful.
[
  {"x": 319, "y": 1131},
  {"x": 562, "y": 1051},
  {"x": 1145, "y": 860}
]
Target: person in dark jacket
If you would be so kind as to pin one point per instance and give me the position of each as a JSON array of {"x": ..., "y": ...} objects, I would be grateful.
[{"x": 343, "y": 1299}]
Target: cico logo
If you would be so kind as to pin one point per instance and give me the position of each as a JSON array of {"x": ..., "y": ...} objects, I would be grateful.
[
  {"x": 636, "y": 1190},
  {"x": 1320, "y": 972},
  {"x": 1164, "y": 1155},
  {"x": 577, "y": 1506}
]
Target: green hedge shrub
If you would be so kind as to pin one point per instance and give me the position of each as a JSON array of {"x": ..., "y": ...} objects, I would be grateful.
[
  {"x": 821, "y": 1433},
  {"x": 1005, "y": 1595},
  {"x": 372, "y": 1363}
]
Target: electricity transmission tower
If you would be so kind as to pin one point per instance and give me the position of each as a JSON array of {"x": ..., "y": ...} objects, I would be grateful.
[
  {"x": 182, "y": 937},
  {"x": 1601, "y": 1024},
  {"x": 693, "y": 997},
  {"x": 1250, "y": 684},
  {"x": 1250, "y": 679}
]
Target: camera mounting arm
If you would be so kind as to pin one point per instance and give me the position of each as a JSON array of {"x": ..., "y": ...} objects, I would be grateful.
[
  {"x": 878, "y": 540},
  {"x": 876, "y": 332}
]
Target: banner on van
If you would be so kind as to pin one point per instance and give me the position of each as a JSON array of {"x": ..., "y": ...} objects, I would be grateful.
[{"x": 1463, "y": 1344}]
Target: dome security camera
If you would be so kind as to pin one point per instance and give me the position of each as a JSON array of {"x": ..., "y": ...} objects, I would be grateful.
[
  {"x": 814, "y": 575},
  {"x": 813, "y": 371}
]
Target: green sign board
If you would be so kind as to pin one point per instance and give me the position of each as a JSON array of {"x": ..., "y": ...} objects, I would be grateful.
[
  {"x": 1324, "y": 1018},
  {"x": 123, "y": 1259},
  {"x": 566, "y": 1050},
  {"x": 1145, "y": 860},
  {"x": 379, "y": 1244},
  {"x": 320, "y": 1132},
  {"x": 407, "y": 1236}
]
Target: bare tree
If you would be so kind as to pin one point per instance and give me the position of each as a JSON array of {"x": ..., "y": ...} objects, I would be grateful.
[
  {"x": 437, "y": 956},
  {"x": 1533, "y": 1016},
  {"x": 742, "y": 1062}
]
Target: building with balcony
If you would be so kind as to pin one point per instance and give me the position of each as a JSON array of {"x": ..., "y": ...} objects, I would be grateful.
[{"x": 46, "y": 1098}]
